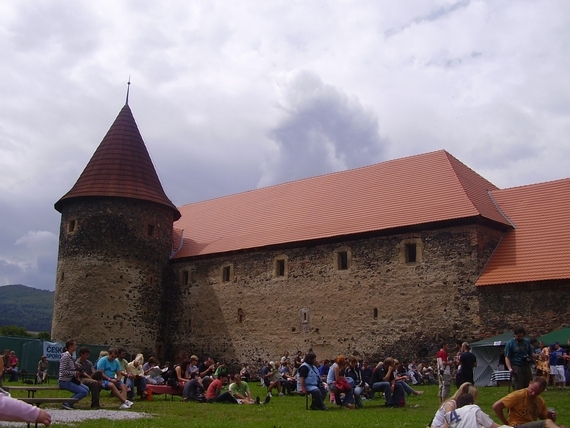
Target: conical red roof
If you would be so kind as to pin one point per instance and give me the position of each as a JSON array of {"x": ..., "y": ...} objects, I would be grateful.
[{"x": 120, "y": 167}]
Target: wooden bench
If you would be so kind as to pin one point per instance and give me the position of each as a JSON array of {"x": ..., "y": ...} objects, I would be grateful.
[
  {"x": 162, "y": 389},
  {"x": 31, "y": 389},
  {"x": 36, "y": 401}
]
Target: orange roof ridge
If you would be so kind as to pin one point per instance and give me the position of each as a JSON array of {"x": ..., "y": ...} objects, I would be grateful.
[
  {"x": 120, "y": 167},
  {"x": 311, "y": 178},
  {"x": 419, "y": 189}
]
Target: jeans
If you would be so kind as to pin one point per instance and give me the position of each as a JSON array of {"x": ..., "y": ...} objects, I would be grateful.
[
  {"x": 383, "y": 387},
  {"x": 357, "y": 392},
  {"x": 224, "y": 397},
  {"x": 79, "y": 391},
  {"x": 318, "y": 395},
  {"x": 139, "y": 382},
  {"x": 392, "y": 399},
  {"x": 348, "y": 395}
]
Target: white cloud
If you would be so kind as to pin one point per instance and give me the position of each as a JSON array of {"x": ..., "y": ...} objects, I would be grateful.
[
  {"x": 322, "y": 130},
  {"x": 230, "y": 96}
]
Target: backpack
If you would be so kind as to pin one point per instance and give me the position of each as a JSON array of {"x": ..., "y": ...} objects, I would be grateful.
[{"x": 170, "y": 377}]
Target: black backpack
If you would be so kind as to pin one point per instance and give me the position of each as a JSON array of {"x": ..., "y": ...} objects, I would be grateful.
[{"x": 171, "y": 378}]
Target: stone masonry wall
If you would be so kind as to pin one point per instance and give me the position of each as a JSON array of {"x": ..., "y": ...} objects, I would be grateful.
[
  {"x": 538, "y": 307},
  {"x": 380, "y": 306},
  {"x": 111, "y": 274}
]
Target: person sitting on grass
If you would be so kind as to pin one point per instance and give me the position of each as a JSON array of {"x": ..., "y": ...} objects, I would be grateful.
[
  {"x": 468, "y": 415},
  {"x": 214, "y": 394},
  {"x": 525, "y": 407},
  {"x": 310, "y": 382},
  {"x": 69, "y": 375},
  {"x": 451, "y": 404},
  {"x": 240, "y": 391},
  {"x": 111, "y": 370},
  {"x": 194, "y": 389}
]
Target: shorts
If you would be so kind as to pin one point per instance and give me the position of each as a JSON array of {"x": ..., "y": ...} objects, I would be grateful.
[
  {"x": 558, "y": 371},
  {"x": 106, "y": 383}
]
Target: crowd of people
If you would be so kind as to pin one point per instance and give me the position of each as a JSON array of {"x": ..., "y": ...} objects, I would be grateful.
[{"x": 347, "y": 381}]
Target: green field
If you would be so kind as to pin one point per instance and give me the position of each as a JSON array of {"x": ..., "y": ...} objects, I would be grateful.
[{"x": 290, "y": 411}]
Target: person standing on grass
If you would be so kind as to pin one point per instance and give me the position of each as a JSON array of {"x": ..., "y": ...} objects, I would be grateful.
[
  {"x": 519, "y": 358},
  {"x": 69, "y": 375},
  {"x": 444, "y": 372}
]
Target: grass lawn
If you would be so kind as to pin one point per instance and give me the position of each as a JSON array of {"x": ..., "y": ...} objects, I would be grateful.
[{"x": 290, "y": 411}]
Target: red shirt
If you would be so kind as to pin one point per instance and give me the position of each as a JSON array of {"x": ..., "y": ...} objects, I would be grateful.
[
  {"x": 443, "y": 355},
  {"x": 213, "y": 389}
]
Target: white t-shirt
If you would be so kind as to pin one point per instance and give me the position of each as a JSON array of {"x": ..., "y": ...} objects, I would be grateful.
[{"x": 470, "y": 416}]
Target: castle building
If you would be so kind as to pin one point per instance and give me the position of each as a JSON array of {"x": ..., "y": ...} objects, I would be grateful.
[{"x": 387, "y": 259}]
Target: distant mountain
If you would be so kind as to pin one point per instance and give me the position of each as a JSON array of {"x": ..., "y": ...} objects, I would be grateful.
[{"x": 26, "y": 307}]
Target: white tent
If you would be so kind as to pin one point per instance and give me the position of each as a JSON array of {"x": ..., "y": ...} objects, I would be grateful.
[{"x": 488, "y": 352}]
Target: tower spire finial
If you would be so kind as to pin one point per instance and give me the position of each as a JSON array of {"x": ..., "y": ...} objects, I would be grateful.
[{"x": 128, "y": 87}]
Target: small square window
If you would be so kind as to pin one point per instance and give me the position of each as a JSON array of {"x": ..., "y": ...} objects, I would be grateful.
[
  {"x": 226, "y": 271},
  {"x": 71, "y": 225}
]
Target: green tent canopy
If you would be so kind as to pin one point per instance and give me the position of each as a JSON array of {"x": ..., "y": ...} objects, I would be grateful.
[{"x": 561, "y": 336}]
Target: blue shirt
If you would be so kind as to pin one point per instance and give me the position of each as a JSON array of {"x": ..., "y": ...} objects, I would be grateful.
[
  {"x": 110, "y": 368},
  {"x": 519, "y": 352}
]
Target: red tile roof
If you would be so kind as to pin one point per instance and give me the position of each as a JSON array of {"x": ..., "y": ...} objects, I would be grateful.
[
  {"x": 420, "y": 189},
  {"x": 120, "y": 167},
  {"x": 538, "y": 248}
]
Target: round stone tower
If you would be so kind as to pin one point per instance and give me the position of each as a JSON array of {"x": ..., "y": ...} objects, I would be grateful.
[{"x": 115, "y": 244}]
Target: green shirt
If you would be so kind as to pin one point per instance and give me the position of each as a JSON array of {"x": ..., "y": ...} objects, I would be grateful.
[{"x": 242, "y": 389}]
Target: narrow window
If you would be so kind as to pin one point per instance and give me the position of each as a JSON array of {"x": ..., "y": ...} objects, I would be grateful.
[
  {"x": 62, "y": 275},
  {"x": 342, "y": 260},
  {"x": 185, "y": 277},
  {"x": 226, "y": 274},
  {"x": 241, "y": 315},
  {"x": 280, "y": 267},
  {"x": 411, "y": 253},
  {"x": 305, "y": 316},
  {"x": 71, "y": 226},
  {"x": 150, "y": 229},
  {"x": 375, "y": 313}
]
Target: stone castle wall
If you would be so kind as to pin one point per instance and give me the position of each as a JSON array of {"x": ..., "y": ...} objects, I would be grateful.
[
  {"x": 113, "y": 262},
  {"x": 382, "y": 305},
  {"x": 539, "y": 307}
]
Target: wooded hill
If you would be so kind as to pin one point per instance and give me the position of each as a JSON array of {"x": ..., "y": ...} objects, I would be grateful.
[{"x": 26, "y": 307}]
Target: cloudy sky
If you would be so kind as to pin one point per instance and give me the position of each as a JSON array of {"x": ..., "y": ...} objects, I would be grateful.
[{"x": 234, "y": 95}]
